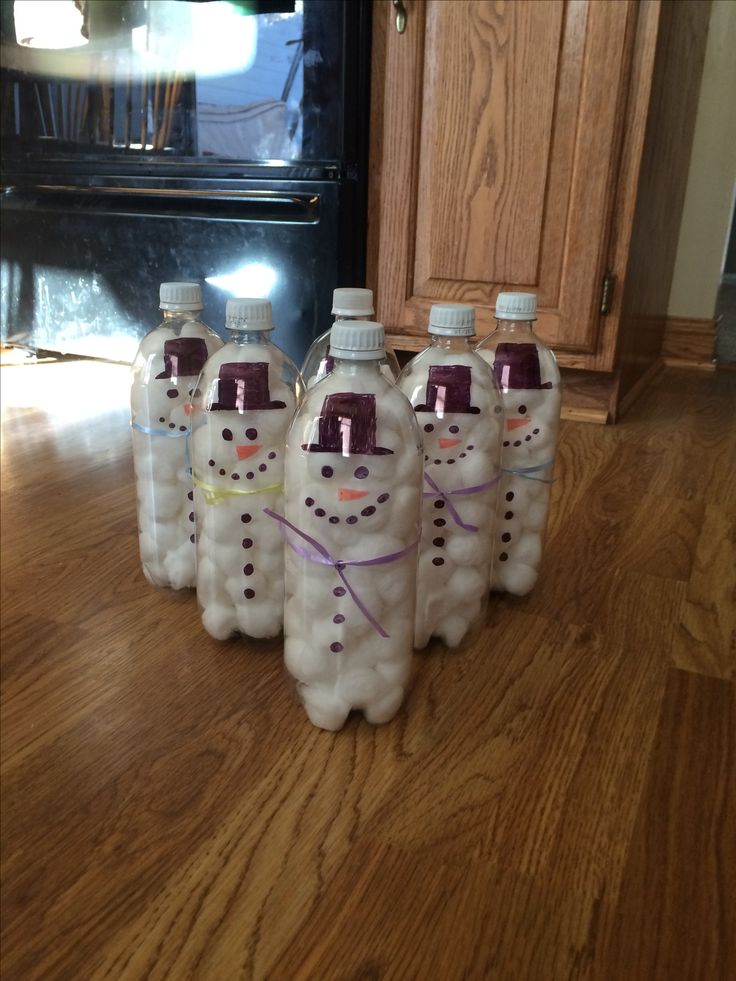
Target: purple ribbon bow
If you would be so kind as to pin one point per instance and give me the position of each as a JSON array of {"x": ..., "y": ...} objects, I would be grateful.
[
  {"x": 324, "y": 558},
  {"x": 445, "y": 496}
]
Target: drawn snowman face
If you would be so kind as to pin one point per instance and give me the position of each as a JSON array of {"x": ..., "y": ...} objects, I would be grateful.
[
  {"x": 451, "y": 439},
  {"x": 245, "y": 427},
  {"x": 521, "y": 427},
  {"x": 349, "y": 476},
  {"x": 168, "y": 392}
]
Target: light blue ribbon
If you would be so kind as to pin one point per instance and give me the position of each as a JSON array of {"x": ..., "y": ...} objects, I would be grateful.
[{"x": 527, "y": 472}]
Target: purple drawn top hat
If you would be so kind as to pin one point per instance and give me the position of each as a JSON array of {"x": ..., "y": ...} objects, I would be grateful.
[
  {"x": 448, "y": 390},
  {"x": 347, "y": 425},
  {"x": 184, "y": 356},
  {"x": 517, "y": 366},
  {"x": 243, "y": 386}
]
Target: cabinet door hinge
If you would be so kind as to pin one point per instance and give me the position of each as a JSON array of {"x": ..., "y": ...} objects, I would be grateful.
[{"x": 607, "y": 292}]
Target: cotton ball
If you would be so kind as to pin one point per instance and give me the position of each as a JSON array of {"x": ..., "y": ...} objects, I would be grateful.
[
  {"x": 179, "y": 566},
  {"x": 528, "y": 549},
  {"x": 270, "y": 561},
  {"x": 210, "y": 583},
  {"x": 358, "y": 686},
  {"x": 325, "y": 708},
  {"x": 519, "y": 492},
  {"x": 261, "y": 620},
  {"x": 404, "y": 510},
  {"x": 236, "y": 586},
  {"x": 383, "y": 709},
  {"x": 219, "y": 621},
  {"x": 394, "y": 671},
  {"x": 306, "y": 662},
  {"x": 535, "y": 517},
  {"x": 453, "y": 629},
  {"x": 467, "y": 582},
  {"x": 469, "y": 548},
  {"x": 514, "y": 577}
]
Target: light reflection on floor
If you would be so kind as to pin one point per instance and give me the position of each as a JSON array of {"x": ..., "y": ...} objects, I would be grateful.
[{"x": 67, "y": 391}]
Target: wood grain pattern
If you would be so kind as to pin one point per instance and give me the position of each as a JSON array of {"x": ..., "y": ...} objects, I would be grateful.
[
  {"x": 689, "y": 343},
  {"x": 519, "y": 115},
  {"x": 555, "y": 800}
]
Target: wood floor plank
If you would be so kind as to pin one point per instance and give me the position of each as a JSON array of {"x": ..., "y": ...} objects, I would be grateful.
[
  {"x": 675, "y": 912},
  {"x": 169, "y": 812},
  {"x": 705, "y": 641}
]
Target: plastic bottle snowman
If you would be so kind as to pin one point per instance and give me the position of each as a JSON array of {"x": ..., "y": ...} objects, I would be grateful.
[
  {"x": 527, "y": 374},
  {"x": 165, "y": 372},
  {"x": 248, "y": 392},
  {"x": 348, "y": 304},
  {"x": 459, "y": 410},
  {"x": 352, "y": 523}
]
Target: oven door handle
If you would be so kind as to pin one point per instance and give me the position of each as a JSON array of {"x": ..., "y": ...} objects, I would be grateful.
[{"x": 198, "y": 203}]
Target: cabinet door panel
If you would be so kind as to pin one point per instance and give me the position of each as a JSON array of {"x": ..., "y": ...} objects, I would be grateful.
[
  {"x": 488, "y": 103},
  {"x": 507, "y": 178}
]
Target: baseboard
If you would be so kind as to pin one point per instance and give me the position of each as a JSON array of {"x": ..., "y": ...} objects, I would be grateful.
[
  {"x": 689, "y": 343},
  {"x": 643, "y": 382}
]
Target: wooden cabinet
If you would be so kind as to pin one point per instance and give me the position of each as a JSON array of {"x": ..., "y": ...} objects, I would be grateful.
[{"x": 508, "y": 148}]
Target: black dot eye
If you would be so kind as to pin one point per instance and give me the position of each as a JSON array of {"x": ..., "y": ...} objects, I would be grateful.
[
  {"x": 227, "y": 434},
  {"x": 172, "y": 393},
  {"x": 361, "y": 473},
  {"x": 454, "y": 429},
  {"x": 327, "y": 471},
  {"x": 522, "y": 409},
  {"x": 162, "y": 419},
  {"x": 251, "y": 433},
  {"x": 191, "y": 392},
  {"x": 429, "y": 428}
]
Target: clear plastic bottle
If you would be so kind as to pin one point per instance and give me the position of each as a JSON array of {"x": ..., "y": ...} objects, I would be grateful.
[
  {"x": 460, "y": 413},
  {"x": 165, "y": 372},
  {"x": 527, "y": 374},
  {"x": 247, "y": 394},
  {"x": 352, "y": 523},
  {"x": 348, "y": 304}
]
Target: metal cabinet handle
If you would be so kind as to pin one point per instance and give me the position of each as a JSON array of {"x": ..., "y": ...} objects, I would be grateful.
[{"x": 400, "y": 16}]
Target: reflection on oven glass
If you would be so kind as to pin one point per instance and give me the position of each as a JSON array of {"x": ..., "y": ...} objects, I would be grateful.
[
  {"x": 215, "y": 80},
  {"x": 252, "y": 279}
]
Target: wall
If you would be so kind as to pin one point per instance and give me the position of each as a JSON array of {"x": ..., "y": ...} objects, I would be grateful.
[{"x": 712, "y": 175}]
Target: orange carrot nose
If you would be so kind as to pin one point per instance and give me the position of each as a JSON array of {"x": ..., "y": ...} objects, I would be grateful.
[
  {"x": 188, "y": 408},
  {"x": 245, "y": 451},
  {"x": 515, "y": 423},
  {"x": 347, "y": 494},
  {"x": 446, "y": 443}
]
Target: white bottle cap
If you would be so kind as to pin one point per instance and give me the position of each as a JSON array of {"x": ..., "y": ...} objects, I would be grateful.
[
  {"x": 357, "y": 340},
  {"x": 248, "y": 313},
  {"x": 516, "y": 306},
  {"x": 452, "y": 319},
  {"x": 349, "y": 302},
  {"x": 180, "y": 296}
]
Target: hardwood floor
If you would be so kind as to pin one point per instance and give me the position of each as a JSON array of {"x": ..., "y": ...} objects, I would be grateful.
[{"x": 555, "y": 801}]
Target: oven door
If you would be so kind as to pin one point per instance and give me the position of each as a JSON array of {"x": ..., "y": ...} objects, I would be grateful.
[{"x": 82, "y": 262}]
